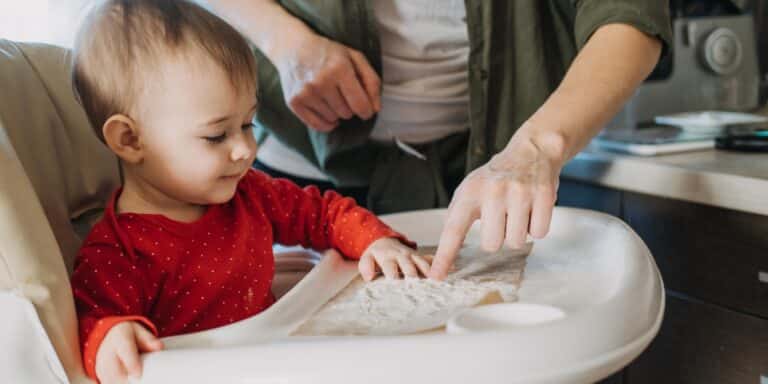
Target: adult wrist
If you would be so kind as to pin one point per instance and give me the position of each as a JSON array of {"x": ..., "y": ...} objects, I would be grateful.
[
  {"x": 279, "y": 46},
  {"x": 549, "y": 141}
]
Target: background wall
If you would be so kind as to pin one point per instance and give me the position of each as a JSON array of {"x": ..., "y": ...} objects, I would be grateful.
[
  {"x": 758, "y": 8},
  {"x": 49, "y": 21},
  {"x": 761, "y": 16}
]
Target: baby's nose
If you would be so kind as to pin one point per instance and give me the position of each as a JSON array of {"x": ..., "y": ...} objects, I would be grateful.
[{"x": 241, "y": 150}]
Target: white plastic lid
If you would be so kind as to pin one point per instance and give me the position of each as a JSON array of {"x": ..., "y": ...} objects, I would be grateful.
[{"x": 502, "y": 316}]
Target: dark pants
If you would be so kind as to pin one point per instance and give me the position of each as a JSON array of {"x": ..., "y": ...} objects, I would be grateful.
[
  {"x": 360, "y": 194},
  {"x": 400, "y": 181}
]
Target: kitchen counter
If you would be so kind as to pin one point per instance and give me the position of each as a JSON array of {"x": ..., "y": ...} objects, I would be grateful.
[{"x": 731, "y": 180}]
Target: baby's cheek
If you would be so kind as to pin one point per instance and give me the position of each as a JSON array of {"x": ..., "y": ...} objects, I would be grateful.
[{"x": 197, "y": 166}]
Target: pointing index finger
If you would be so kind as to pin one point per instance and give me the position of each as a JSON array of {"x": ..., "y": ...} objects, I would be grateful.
[{"x": 457, "y": 224}]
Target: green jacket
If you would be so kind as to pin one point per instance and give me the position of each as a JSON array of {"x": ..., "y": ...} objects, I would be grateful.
[{"x": 519, "y": 52}]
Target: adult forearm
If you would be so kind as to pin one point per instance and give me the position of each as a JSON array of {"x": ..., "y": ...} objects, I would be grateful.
[
  {"x": 603, "y": 76},
  {"x": 265, "y": 22}
]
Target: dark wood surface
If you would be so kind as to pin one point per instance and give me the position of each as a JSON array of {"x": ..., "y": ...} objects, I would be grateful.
[
  {"x": 703, "y": 343},
  {"x": 613, "y": 379},
  {"x": 582, "y": 195},
  {"x": 712, "y": 254}
]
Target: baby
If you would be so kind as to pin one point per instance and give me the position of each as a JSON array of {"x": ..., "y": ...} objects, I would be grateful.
[{"x": 186, "y": 243}]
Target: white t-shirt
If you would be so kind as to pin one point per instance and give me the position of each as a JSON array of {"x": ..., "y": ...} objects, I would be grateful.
[{"x": 425, "y": 88}]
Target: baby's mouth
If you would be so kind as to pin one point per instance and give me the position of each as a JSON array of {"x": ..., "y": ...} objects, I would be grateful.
[{"x": 233, "y": 176}]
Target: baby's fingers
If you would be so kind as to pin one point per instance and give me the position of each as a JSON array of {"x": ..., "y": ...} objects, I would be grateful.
[
  {"x": 145, "y": 340},
  {"x": 428, "y": 258},
  {"x": 406, "y": 265},
  {"x": 129, "y": 356},
  {"x": 422, "y": 263},
  {"x": 110, "y": 370},
  {"x": 389, "y": 268},
  {"x": 367, "y": 267}
]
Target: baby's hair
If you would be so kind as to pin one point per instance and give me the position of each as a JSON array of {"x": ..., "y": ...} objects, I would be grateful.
[{"x": 122, "y": 40}]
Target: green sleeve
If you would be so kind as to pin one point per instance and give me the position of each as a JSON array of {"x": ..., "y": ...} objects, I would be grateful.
[{"x": 649, "y": 16}]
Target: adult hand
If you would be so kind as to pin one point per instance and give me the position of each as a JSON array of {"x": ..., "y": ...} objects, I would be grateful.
[
  {"x": 513, "y": 195},
  {"x": 324, "y": 81}
]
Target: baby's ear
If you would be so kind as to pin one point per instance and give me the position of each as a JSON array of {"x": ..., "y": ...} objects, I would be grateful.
[{"x": 122, "y": 137}]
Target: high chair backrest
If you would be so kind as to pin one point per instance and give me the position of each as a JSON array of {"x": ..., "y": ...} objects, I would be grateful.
[{"x": 54, "y": 174}]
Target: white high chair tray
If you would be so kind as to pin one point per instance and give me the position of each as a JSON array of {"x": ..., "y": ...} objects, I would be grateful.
[{"x": 592, "y": 272}]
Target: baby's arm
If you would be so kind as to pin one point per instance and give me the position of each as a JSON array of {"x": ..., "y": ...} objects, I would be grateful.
[
  {"x": 110, "y": 290},
  {"x": 329, "y": 220},
  {"x": 318, "y": 221}
]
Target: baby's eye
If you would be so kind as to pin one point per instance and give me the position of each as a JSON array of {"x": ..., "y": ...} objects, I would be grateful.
[
  {"x": 246, "y": 127},
  {"x": 215, "y": 139}
]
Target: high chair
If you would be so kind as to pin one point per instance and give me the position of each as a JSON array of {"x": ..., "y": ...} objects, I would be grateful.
[{"x": 592, "y": 271}]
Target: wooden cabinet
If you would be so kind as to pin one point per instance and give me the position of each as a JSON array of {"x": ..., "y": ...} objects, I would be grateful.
[
  {"x": 712, "y": 254},
  {"x": 715, "y": 327},
  {"x": 582, "y": 195},
  {"x": 614, "y": 379},
  {"x": 704, "y": 343}
]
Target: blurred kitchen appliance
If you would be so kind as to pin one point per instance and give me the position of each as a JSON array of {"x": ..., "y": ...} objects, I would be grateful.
[{"x": 713, "y": 66}]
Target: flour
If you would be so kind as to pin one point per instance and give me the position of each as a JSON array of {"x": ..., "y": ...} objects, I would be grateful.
[{"x": 390, "y": 307}]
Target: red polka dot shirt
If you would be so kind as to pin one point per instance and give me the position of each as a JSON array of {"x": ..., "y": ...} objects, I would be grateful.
[{"x": 177, "y": 277}]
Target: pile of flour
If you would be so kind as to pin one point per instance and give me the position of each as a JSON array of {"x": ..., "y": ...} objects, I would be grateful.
[{"x": 391, "y": 307}]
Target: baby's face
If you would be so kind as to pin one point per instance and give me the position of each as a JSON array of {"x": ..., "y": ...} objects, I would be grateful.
[{"x": 196, "y": 131}]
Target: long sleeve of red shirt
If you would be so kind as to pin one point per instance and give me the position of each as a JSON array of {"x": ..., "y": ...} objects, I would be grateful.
[
  {"x": 305, "y": 217},
  {"x": 176, "y": 277}
]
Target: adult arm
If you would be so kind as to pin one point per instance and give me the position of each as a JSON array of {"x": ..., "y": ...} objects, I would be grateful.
[
  {"x": 514, "y": 193},
  {"x": 323, "y": 81}
]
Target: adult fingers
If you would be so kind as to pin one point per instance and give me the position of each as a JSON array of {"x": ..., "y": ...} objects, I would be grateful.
[
  {"x": 457, "y": 223},
  {"x": 355, "y": 96},
  {"x": 541, "y": 213},
  {"x": 336, "y": 101},
  {"x": 312, "y": 119},
  {"x": 518, "y": 217},
  {"x": 492, "y": 220},
  {"x": 311, "y": 98},
  {"x": 369, "y": 77},
  {"x": 323, "y": 110}
]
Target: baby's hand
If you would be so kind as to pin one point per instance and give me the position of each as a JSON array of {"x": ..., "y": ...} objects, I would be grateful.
[
  {"x": 118, "y": 355},
  {"x": 392, "y": 258}
]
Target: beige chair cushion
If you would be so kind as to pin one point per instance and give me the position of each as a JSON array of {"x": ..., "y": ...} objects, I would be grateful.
[
  {"x": 53, "y": 172},
  {"x": 70, "y": 169}
]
